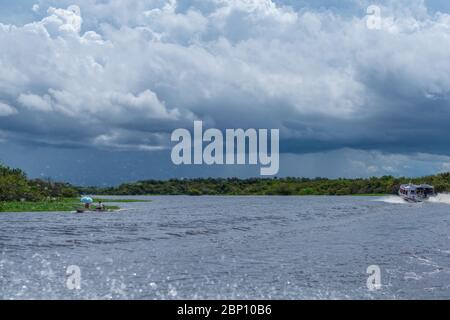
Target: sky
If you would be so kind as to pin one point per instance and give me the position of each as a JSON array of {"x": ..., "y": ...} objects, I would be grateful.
[{"x": 90, "y": 91}]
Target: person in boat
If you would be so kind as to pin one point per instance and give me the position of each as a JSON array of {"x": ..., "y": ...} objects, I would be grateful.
[{"x": 101, "y": 206}]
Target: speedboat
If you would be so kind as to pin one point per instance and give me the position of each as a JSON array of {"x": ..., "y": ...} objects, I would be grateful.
[{"x": 416, "y": 193}]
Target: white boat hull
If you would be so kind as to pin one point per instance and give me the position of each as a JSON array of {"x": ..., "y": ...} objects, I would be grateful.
[{"x": 411, "y": 199}]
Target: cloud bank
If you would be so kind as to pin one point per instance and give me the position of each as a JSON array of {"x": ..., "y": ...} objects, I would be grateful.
[{"x": 122, "y": 75}]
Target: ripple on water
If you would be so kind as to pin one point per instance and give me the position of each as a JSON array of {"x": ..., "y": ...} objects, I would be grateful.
[{"x": 231, "y": 247}]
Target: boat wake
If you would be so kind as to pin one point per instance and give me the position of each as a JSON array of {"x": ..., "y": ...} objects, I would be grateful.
[
  {"x": 440, "y": 198},
  {"x": 392, "y": 199}
]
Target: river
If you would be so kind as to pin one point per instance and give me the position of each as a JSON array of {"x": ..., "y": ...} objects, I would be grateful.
[{"x": 178, "y": 247}]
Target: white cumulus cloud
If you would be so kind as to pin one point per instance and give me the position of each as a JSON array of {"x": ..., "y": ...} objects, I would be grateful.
[
  {"x": 119, "y": 72},
  {"x": 6, "y": 110}
]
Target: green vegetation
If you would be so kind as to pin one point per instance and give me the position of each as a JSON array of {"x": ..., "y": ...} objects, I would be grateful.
[
  {"x": 17, "y": 193},
  {"x": 14, "y": 186},
  {"x": 60, "y": 205},
  {"x": 286, "y": 187},
  {"x": 96, "y": 200}
]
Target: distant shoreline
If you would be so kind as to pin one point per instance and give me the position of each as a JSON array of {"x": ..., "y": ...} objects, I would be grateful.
[
  {"x": 58, "y": 205},
  {"x": 71, "y": 205},
  {"x": 246, "y": 195},
  {"x": 18, "y": 193},
  {"x": 375, "y": 186}
]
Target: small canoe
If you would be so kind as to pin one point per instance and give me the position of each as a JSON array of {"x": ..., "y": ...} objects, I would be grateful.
[{"x": 91, "y": 211}]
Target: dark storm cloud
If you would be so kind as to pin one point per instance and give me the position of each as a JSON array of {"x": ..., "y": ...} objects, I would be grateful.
[{"x": 123, "y": 76}]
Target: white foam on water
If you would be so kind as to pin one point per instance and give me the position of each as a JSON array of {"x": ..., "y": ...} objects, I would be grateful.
[
  {"x": 392, "y": 199},
  {"x": 412, "y": 276},
  {"x": 440, "y": 198}
]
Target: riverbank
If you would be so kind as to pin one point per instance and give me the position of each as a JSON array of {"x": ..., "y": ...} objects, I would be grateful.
[
  {"x": 57, "y": 205},
  {"x": 20, "y": 193},
  {"x": 375, "y": 186}
]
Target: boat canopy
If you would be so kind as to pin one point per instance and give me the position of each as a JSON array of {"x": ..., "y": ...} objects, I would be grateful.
[{"x": 413, "y": 187}]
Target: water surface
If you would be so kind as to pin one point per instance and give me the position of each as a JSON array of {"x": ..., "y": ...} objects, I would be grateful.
[{"x": 231, "y": 247}]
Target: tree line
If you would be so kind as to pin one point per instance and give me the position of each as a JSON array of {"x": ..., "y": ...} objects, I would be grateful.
[
  {"x": 275, "y": 186},
  {"x": 15, "y": 186}
]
